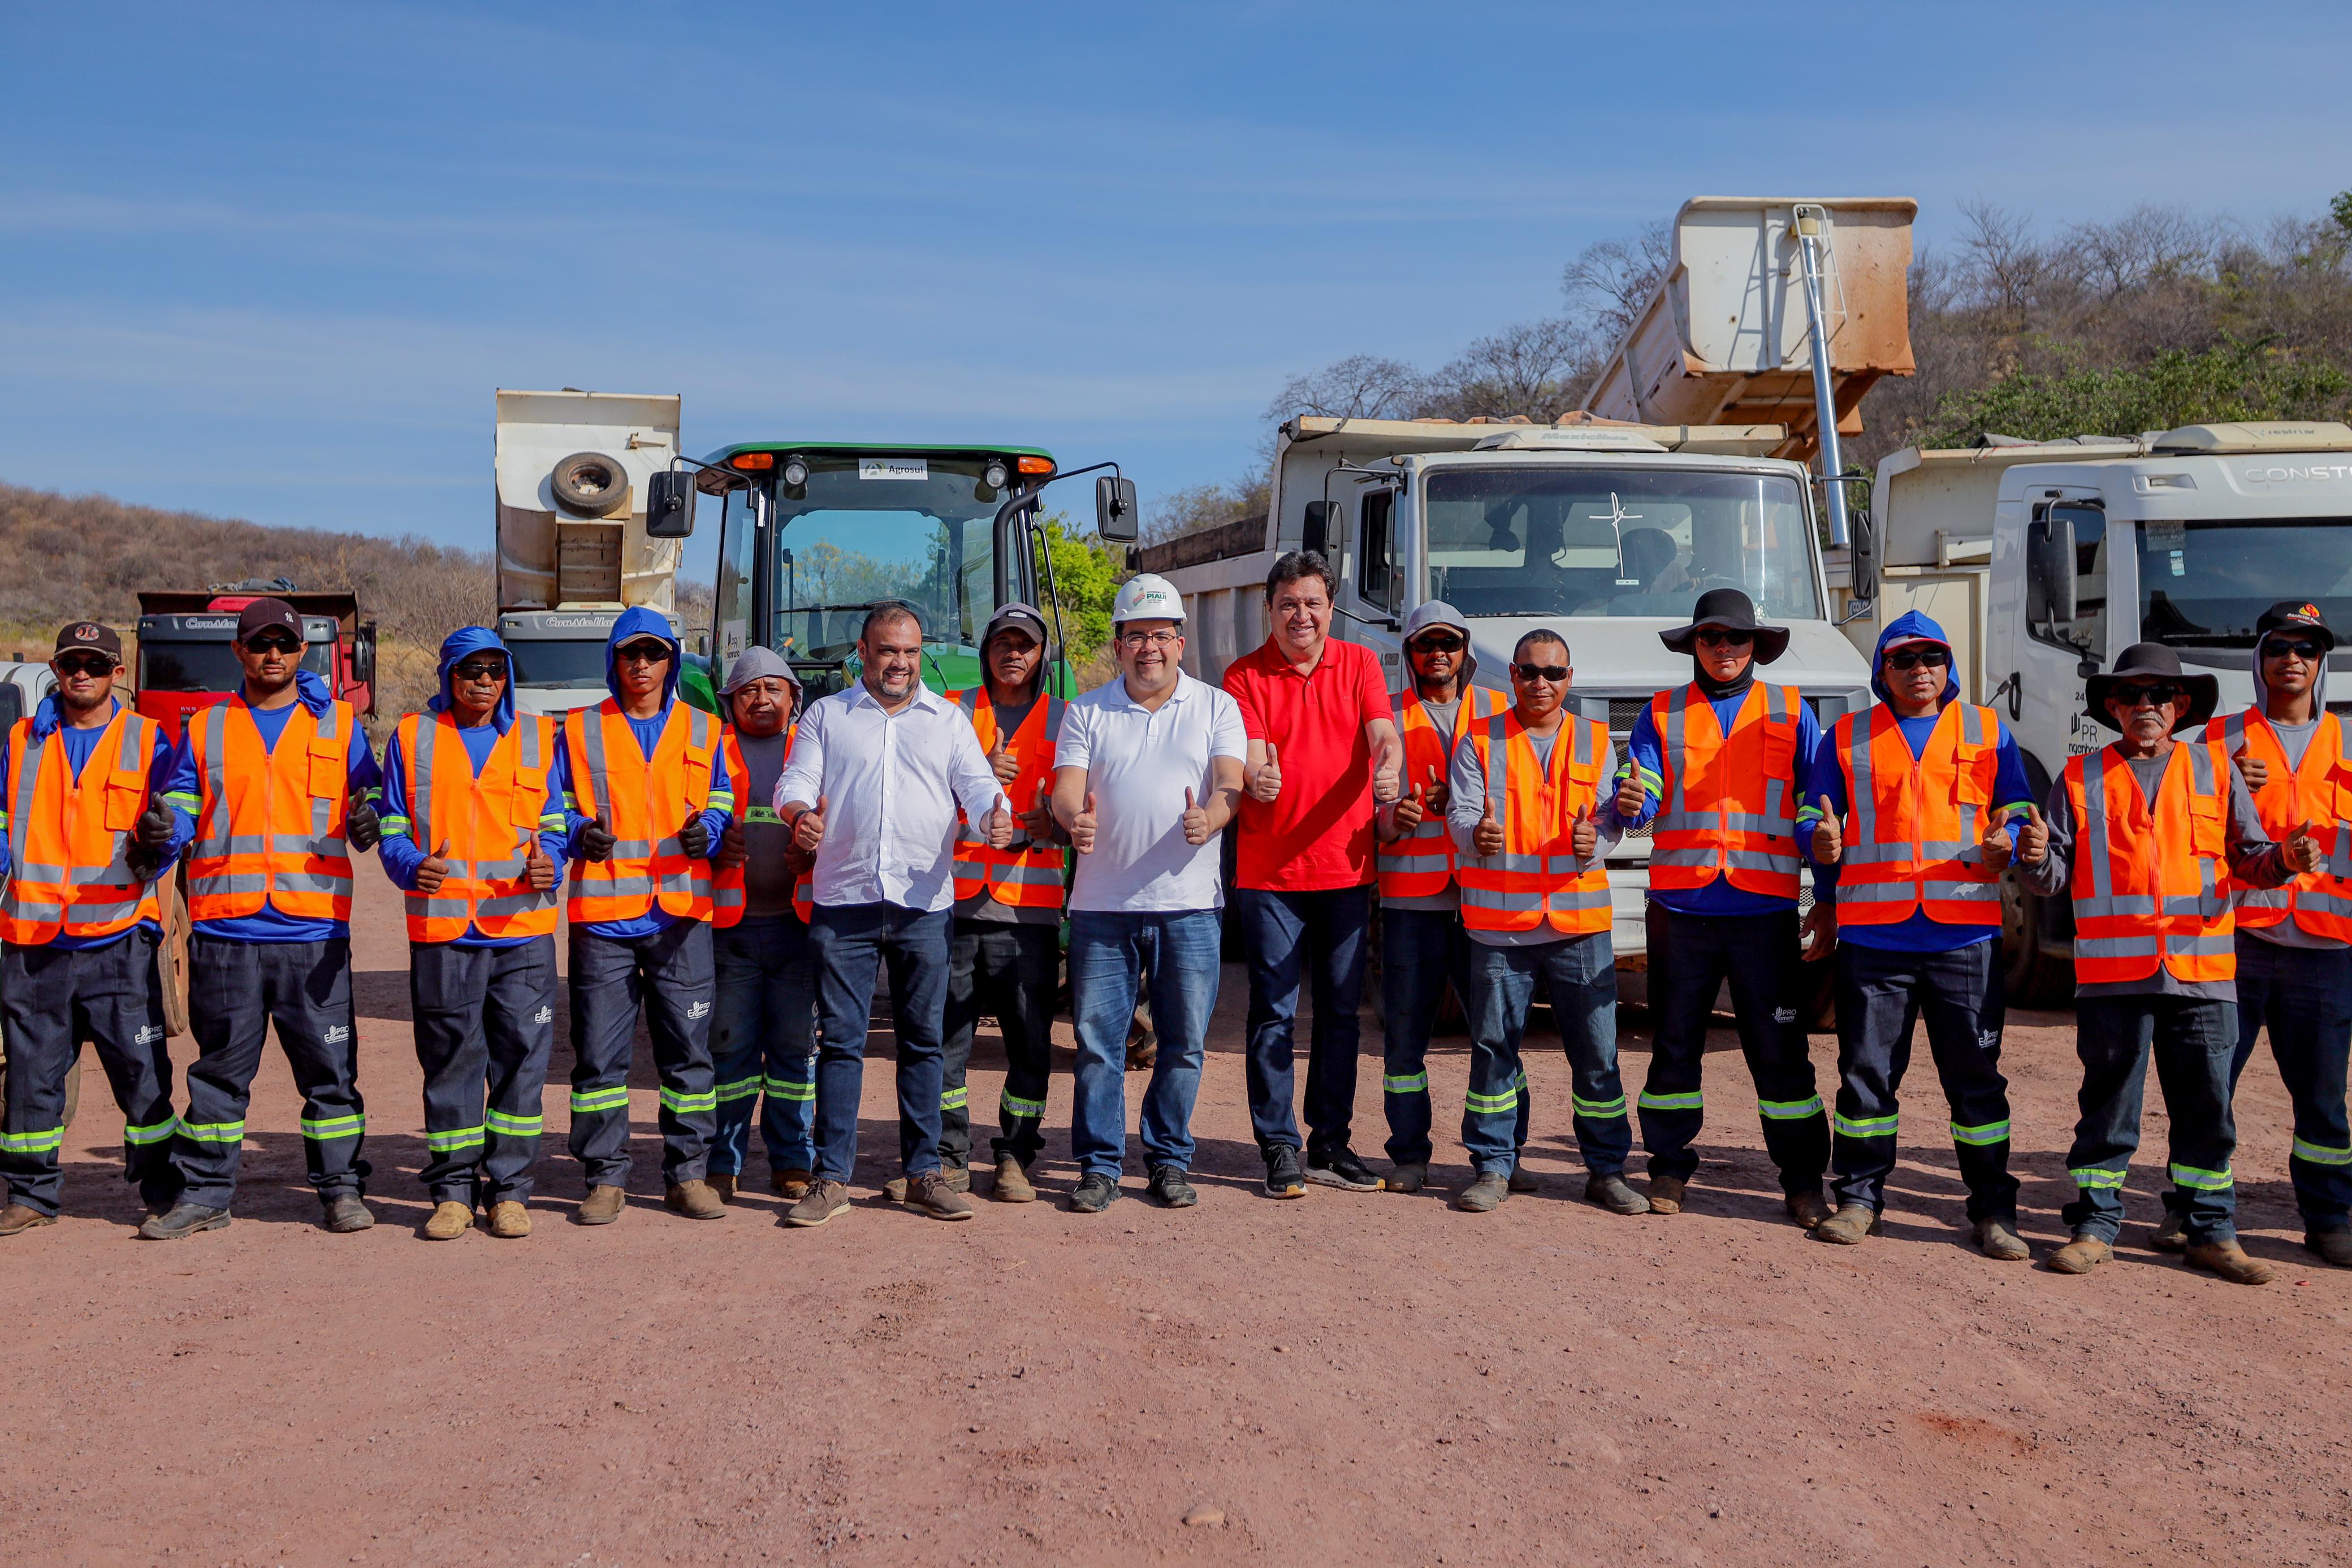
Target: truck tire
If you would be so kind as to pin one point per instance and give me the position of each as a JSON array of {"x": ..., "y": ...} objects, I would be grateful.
[{"x": 590, "y": 484}]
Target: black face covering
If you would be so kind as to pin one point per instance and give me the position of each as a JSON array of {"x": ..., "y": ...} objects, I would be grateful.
[{"x": 1717, "y": 690}]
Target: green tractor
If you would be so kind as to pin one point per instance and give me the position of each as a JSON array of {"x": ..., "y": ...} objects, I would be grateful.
[{"x": 812, "y": 535}]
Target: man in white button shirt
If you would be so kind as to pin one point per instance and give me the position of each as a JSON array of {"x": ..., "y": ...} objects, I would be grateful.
[
  {"x": 1147, "y": 772},
  {"x": 871, "y": 787}
]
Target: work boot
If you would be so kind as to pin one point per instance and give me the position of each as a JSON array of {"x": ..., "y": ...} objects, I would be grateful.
[
  {"x": 2171, "y": 1232},
  {"x": 603, "y": 1204},
  {"x": 1341, "y": 1168},
  {"x": 1999, "y": 1240},
  {"x": 1407, "y": 1176},
  {"x": 1849, "y": 1225},
  {"x": 2080, "y": 1255},
  {"x": 1807, "y": 1209},
  {"x": 1666, "y": 1194},
  {"x": 1484, "y": 1196},
  {"x": 895, "y": 1189},
  {"x": 722, "y": 1185},
  {"x": 509, "y": 1220},
  {"x": 930, "y": 1194},
  {"x": 2333, "y": 1246},
  {"x": 2230, "y": 1260},
  {"x": 1283, "y": 1178},
  {"x": 345, "y": 1213},
  {"x": 792, "y": 1185},
  {"x": 696, "y": 1200},
  {"x": 183, "y": 1221},
  {"x": 1522, "y": 1180},
  {"x": 823, "y": 1200},
  {"x": 959, "y": 1177},
  {"x": 1169, "y": 1185},
  {"x": 16, "y": 1217},
  {"x": 1013, "y": 1184},
  {"x": 1093, "y": 1193},
  {"x": 1609, "y": 1189},
  {"x": 450, "y": 1220}
]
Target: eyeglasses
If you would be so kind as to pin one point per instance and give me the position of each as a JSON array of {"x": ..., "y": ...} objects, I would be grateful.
[
  {"x": 269, "y": 642},
  {"x": 1440, "y": 644},
  {"x": 83, "y": 664},
  {"x": 1912, "y": 658},
  {"x": 2156, "y": 696},
  {"x": 643, "y": 654},
  {"x": 1540, "y": 672},
  {"x": 1725, "y": 638},
  {"x": 496, "y": 672},
  {"x": 1151, "y": 638},
  {"x": 2279, "y": 648}
]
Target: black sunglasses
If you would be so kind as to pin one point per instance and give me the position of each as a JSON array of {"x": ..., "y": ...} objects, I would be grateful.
[
  {"x": 273, "y": 644},
  {"x": 489, "y": 672},
  {"x": 1540, "y": 672},
  {"x": 643, "y": 654},
  {"x": 1436, "y": 644},
  {"x": 2279, "y": 648},
  {"x": 1912, "y": 658},
  {"x": 84, "y": 665},
  {"x": 1725, "y": 638},
  {"x": 2155, "y": 695}
]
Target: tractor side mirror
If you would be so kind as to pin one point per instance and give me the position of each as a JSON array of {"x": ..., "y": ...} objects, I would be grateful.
[
  {"x": 1116, "y": 517},
  {"x": 669, "y": 504}
]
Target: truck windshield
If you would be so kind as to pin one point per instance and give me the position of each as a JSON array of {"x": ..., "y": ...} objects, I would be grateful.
[
  {"x": 2203, "y": 585},
  {"x": 1608, "y": 541},
  {"x": 211, "y": 666},
  {"x": 570, "y": 664},
  {"x": 873, "y": 528}
]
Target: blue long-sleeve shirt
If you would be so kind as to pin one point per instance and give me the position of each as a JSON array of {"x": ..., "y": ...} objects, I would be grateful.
[
  {"x": 399, "y": 852},
  {"x": 81, "y": 745},
  {"x": 1645, "y": 759},
  {"x": 268, "y": 924},
  {"x": 1918, "y": 933},
  {"x": 718, "y": 805}
]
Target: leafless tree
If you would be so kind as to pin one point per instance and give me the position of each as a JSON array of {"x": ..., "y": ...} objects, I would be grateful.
[
  {"x": 1610, "y": 281},
  {"x": 1362, "y": 386}
]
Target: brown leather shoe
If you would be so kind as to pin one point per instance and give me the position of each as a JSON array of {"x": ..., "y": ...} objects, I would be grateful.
[
  {"x": 959, "y": 1177},
  {"x": 823, "y": 1200},
  {"x": 792, "y": 1185},
  {"x": 509, "y": 1220},
  {"x": 1666, "y": 1194},
  {"x": 2080, "y": 1255},
  {"x": 1807, "y": 1209},
  {"x": 1999, "y": 1240},
  {"x": 724, "y": 1185},
  {"x": 1848, "y": 1226},
  {"x": 895, "y": 1189},
  {"x": 1013, "y": 1184},
  {"x": 696, "y": 1200},
  {"x": 601, "y": 1206},
  {"x": 930, "y": 1194},
  {"x": 17, "y": 1217},
  {"x": 2230, "y": 1260},
  {"x": 450, "y": 1220}
]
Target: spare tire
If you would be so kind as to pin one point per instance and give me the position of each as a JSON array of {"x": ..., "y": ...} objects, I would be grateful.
[{"x": 592, "y": 484}]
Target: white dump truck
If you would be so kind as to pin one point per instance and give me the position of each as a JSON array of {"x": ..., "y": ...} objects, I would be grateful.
[
  {"x": 573, "y": 552},
  {"x": 2044, "y": 561}
]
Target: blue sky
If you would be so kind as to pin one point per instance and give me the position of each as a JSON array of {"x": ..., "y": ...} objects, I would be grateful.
[{"x": 269, "y": 261}]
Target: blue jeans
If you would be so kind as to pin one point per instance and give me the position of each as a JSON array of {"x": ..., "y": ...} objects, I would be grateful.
[
  {"x": 1318, "y": 936},
  {"x": 2305, "y": 995},
  {"x": 763, "y": 1041},
  {"x": 2191, "y": 1041},
  {"x": 1421, "y": 951},
  {"x": 848, "y": 942},
  {"x": 1580, "y": 976},
  {"x": 1109, "y": 950}
]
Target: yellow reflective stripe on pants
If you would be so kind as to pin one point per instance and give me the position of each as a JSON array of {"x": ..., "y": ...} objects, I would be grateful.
[
  {"x": 2321, "y": 1155},
  {"x": 955, "y": 1099},
  {"x": 1599, "y": 1110},
  {"x": 1695, "y": 1100},
  {"x": 153, "y": 1133},
  {"x": 1863, "y": 1126},
  {"x": 462, "y": 1138},
  {"x": 516, "y": 1126},
  {"x": 687, "y": 1105},
  {"x": 2203, "y": 1181},
  {"x": 740, "y": 1089},
  {"x": 2096, "y": 1176},
  {"x": 791, "y": 1089},
  {"x": 1009, "y": 1103},
  {"x": 1416, "y": 1084},
  {"x": 327, "y": 1128},
  {"x": 32, "y": 1143},
  {"x": 613, "y": 1099},
  {"x": 1978, "y": 1136},
  {"x": 213, "y": 1131},
  {"x": 1789, "y": 1110}
]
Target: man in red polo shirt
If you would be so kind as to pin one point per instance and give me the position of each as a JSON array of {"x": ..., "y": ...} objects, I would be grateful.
[{"x": 1323, "y": 747}]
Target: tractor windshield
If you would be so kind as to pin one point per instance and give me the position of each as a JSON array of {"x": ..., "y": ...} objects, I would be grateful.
[{"x": 870, "y": 529}]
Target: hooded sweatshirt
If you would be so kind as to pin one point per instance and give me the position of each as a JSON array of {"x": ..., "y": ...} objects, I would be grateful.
[
  {"x": 2294, "y": 740},
  {"x": 637, "y": 622},
  {"x": 1918, "y": 933},
  {"x": 48, "y": 719},
  {"x": 400, "y": 854},
  {"x": 363, "y": 777}
]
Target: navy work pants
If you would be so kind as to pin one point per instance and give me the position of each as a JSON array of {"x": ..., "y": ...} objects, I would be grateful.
[
  {"x": 2191, "y": 1041},
  {"x": 485, "y": 1025},
  {"x": 1422, "y": 952},
  {"x": 1010, "y": 972},
  {"x": 1580, "y": 978},
  {"x": 668, "y": 975},
  {"x": 763, "y": 1043},
  {"x": 54, "y": 998}
]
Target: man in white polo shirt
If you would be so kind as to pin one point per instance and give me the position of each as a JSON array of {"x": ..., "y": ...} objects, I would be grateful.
[{"x": 1148, "y": 771}]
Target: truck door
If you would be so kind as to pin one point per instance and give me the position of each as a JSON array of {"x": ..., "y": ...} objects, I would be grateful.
[
  {"x": 1369, "y": 592},
  {"x": 2053, "y": 654}
]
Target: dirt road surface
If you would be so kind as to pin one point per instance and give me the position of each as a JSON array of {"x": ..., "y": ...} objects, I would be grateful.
[{"x": 1348, "y": 1378}]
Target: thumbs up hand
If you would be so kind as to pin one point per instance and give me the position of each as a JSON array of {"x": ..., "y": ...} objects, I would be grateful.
[
  {"x": 1995, "y": 849},
  {"x": 732, "y": 852},
  {"x": 1584, "y": 836},
  {"x": 1829, "y": 836},
  {"x": 1437, "y": 797},
  {"x": 1006, "y": 765},
  {"x": 2033, "y": 840},
  {"x": 1629, "y": 793},
  {"x": 1488, "y": 839},
  {"x": 808, "y": 828},
  {"x": 2251, "y": 768},
  {"x": 1386, "y": 781},
  {"x": 1196, "y": 822},
  {"x": 1082, "y": 827},
  {"x": 1413, "y": 811},
  {"x": 2304, "y": 850},
  {"x": 362, "y": 826},
  {"x": 1039, "y": 823},
  {"x": 434, "y": 870},
  {"x": 537, "y": 868},
  {"x": 154, "y": 824},
  {"x": 1266, "y": 784},
  {"x": 694, "y": 837},
  {"x": 997, "y": 825},
  {"x": 596, "y": 842}
]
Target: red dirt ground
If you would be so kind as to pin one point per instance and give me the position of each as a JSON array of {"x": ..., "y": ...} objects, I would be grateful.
[{"x": 1349, "y": 1378}]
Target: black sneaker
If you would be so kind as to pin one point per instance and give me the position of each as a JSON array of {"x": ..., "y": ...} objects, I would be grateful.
[
  {"x": 1169, "y": 1185},
  {"x": 1340, "y": 1167},
  {"x": 1093, "y": 1193},
  {"x": 183, "y": 1221},
  {"x": 1282, "y": 1176}
]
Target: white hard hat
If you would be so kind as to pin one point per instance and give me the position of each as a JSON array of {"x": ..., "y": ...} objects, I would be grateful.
[{"x": 1146, "y": 598}]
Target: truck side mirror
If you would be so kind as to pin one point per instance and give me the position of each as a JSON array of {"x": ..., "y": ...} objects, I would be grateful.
[
  {"x": 1116, "y": 517},
  {"x": 1322, "y": 517},
  {"x": 669, "y": 505},
  {"x": 364, "y": 658},
  {"x": 2050, "y": 543},
  {"x": 1862, "y": 576}
]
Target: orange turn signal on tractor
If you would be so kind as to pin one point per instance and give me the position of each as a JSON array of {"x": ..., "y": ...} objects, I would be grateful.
[
  {"x": 753, "y": 460},
  {"x": 1036, "y": 466}
]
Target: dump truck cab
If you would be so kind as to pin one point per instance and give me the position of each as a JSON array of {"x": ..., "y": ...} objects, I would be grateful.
[{"x": 185, "y": 661}]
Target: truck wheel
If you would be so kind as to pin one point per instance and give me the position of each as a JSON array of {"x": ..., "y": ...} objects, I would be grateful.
[
  {"x": 2031, "y": 978},
  {"x": 590, "y": 483}
]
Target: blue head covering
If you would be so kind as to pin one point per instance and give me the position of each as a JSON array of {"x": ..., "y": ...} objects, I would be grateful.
[
  {"x": 1908, "y": 627},
  {"x": 642, "y": 623},
  {"x": 455, "y": 647}
]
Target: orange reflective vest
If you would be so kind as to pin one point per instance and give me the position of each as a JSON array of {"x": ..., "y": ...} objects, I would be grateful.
[
  {"x": 1727, "y": 804},
  {"x": 726, "y": 895},
  {"x": 68, "y": 837},
  {"x": 2147, "y": 884},
  {"x": 1535, "y": 880},
  {"x": 2319, "y": 791},
  {"x": 1915, "y": 839},
  {"x": 644, "y": 803},
  {"x": 1420, "y": 863},
  {"x": 1024, "y": 874},
  {"x": 489, "y": 823},
  {"x": 270, "y": 820}
]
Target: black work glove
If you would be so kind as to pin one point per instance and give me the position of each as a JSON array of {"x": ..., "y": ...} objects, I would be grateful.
[
  {"x": 362, "y": 827},
  {"x": 596, "y": 842},
  {"x": 695, "y": 837},
  {"x": 144, "y": 863},
  {"x": 154, "y": 825}
]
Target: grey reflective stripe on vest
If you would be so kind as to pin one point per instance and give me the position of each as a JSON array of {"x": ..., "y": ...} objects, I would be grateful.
[
  {"x": 2104, "y": 902},
  {"x": 211, "y": 726},
  {"x": 1028, "y": 876},
  {"x": 1583, "y": 738},
  {"x": 115, "y": 874},
  {"x": 528, "y": 754},
  {"x": 1674, "y": 816}
]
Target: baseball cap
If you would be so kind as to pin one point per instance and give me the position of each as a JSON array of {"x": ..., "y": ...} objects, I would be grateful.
[
  {"x": 1147, "y": 597},
  {"x": 2294, "y": 615},
  {"x": 91, "y": 636},
  {"x": 262, "y": 615},
  {"x": 1012, "y": 615}
]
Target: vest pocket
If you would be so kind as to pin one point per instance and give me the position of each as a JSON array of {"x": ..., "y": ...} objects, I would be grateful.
[
  {"x": 2205, "y": 828},
  {"x": 1974, "y": 769},
  {"x": 326, "y": 769},
  {"x": 124, "y": 801}
]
